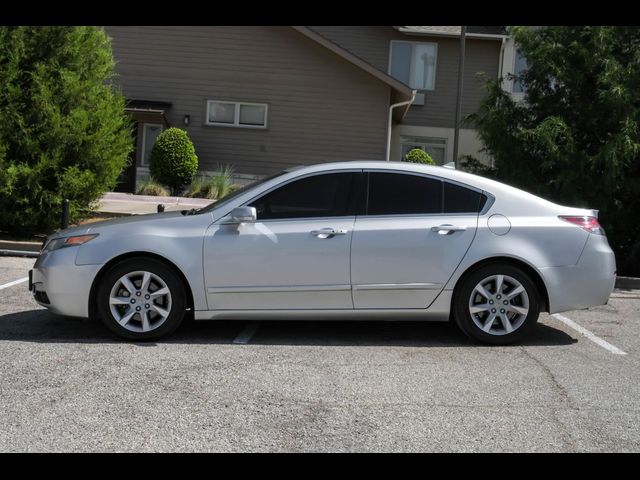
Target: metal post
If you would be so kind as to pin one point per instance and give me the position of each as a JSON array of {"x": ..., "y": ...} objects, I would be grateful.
[
  {"x": 65, "y": 214},
  {"x": 456, "y": 131}
]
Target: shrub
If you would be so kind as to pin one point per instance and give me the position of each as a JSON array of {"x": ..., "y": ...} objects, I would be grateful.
[
  {"x": 215, "y": 187},
  {"x": 223, "y": 181},
  {"x": 173, "y": 160},
  {"x": 151, "y": 187},
  {"x": 63, "y": 130},
  {"x": 417, "y": 155},
  {"x": 201, "y": 187}
]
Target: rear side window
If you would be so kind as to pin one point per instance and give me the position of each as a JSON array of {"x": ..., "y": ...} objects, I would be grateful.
[
  {"x": 326, "y": 195},
  {"x": 459, "y": 199},
  {"x": 397, "y": 194}
]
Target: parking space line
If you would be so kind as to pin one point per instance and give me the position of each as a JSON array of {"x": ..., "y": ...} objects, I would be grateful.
[
  {"x": 15, "y": 282},
  {"x": 590, "y": 335},
  {"x": 247, "y": 332}
]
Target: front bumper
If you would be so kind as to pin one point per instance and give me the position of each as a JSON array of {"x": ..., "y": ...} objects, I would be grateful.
[
  {"x": 588, "y": 283},
  {"x": 56, "y": 282}
]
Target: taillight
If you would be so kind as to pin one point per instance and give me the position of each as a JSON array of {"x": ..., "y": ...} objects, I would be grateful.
[{"x": 590, "y": 224}]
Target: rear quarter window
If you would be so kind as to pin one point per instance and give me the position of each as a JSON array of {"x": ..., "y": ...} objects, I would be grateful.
[{"x": 458, "y": 199}]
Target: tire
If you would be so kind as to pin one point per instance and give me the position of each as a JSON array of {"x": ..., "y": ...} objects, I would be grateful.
[
  {"x": 163, "y": 300},
  {"x": 495, "y": 322}
]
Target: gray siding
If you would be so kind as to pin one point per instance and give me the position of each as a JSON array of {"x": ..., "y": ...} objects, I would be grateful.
[
  {"x": 321, "y": 108},
  {"x": 372, "y": 44}
]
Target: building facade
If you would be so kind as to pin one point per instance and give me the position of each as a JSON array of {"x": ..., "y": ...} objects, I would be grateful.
[{"x": 266, "y": 98}]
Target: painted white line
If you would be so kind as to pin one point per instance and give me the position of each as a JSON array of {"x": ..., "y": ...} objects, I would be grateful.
[
  {"x": 245, "y": 335},
  {"x": 590, "y": 335},
  {"x": 16, "y": 282}
]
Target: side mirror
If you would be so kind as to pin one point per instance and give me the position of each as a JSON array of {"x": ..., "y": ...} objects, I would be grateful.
[{"x": 243, "y": 215}]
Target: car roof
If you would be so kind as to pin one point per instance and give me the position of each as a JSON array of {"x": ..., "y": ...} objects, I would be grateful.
[{"x": 490, "y": 186}]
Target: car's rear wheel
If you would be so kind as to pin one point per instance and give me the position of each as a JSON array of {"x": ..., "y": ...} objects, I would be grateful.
[
  {"x": 497, "y": 304},
  {"x": 141, "y": 299}
]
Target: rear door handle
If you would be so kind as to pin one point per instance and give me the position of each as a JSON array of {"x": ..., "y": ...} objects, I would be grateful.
[
  {"x": 328, "y": 232},
  {"x": 447, "y": 229}
]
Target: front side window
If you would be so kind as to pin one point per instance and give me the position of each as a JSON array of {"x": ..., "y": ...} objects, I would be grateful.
[
  {"x": 435, "y": 147},
  {"x": 399, "y": 194},
  {"x": 325, "y": 195},
  {"x": 237, "y": 114},
  {"x": 414, "y": 64}
]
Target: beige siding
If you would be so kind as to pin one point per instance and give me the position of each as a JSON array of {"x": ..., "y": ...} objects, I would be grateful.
[
  {"x": 372, "y": 44},
  {"x": 321, "y": 108}
]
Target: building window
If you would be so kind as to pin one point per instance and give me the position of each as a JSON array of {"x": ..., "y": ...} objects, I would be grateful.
[
  {"x": 237, "y": 114},
  {"x": 519, "y": 66},
  {"x": 414, "y": 64},
  {"x": 435, "y": 147},
  {"x": 150, "y": 132}
]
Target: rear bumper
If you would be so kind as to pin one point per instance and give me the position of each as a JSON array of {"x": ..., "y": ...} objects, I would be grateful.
[
  {"x": 60, "y": 285},
  {"x": 588, "y": 283}
]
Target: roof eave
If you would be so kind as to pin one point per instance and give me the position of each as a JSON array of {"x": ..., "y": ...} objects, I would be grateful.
[{"x": 398, "y": 86}]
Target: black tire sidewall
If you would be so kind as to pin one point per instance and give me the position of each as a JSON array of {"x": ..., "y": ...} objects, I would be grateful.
[
  {"x": 462, "y": 316},
  {"x": 166, "y": 273}
]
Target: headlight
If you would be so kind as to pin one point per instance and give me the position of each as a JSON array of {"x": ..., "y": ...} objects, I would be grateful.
[{"x": 63, "y": 242}]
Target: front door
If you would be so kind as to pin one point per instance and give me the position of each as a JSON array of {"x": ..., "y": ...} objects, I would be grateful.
[
  {"x": 127, "y": 180},
  {"x": 415, "y": 232},
  {"x": 296, "y": 256}
]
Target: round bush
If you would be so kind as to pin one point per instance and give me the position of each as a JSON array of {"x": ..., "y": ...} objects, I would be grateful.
[
  {"x": 173, "y": 160},
  {"x": 418, "y": 155}
]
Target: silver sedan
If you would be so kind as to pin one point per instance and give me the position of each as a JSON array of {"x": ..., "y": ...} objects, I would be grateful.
[{"x": 350, "y": 240}]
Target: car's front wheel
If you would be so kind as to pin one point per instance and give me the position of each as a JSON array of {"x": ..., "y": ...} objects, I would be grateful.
[
  {"x": 141, "y": 299},
  {"x": 497, "y": 304}
]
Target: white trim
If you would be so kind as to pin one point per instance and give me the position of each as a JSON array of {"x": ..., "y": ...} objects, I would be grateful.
[
  {"x": 236, "y": 116},
  {"x": 435, "y": 62},
  {"x": 424, "y": 144},
  {"x": 144, "y": 136}
]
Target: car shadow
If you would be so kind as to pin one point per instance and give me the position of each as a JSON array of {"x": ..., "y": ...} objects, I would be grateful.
[{"x": 42, "y": 326}]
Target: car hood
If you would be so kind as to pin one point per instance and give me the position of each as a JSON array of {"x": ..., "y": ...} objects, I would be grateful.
[{"x": 97, "y": 226}]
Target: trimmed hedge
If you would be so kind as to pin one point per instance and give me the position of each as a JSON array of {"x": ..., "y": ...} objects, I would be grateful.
[
  {"x": 173, "y": 160},
  {"x": 417, "y": 155}
]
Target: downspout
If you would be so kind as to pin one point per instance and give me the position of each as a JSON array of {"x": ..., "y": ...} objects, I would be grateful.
[
  {"x": 501, "y": 59},
  {"x": 395, "y": 105}
]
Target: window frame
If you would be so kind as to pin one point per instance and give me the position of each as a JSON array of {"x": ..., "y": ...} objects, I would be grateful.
[
  {"x": 513, "y": 70},
  {"x": 354, "y": 199},
  {"x": 445, "y": 145},
  {"x": 236, "y": 115},
  {"x": 487, "y": 204},
  {"x": 144, "y": 140},
  {"x": 411, "y": 65}
]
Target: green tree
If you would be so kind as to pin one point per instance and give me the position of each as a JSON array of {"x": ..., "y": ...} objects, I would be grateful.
[
  {"x": 63, "y": 130},
  {"x": 575, "y": 138},
  {"x": 173, "y": 160}
]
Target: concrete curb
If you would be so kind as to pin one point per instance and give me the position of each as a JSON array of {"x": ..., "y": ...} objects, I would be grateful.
[
  {"x": 20, "y": 246},
  {"x": 18, "y": 253},
  {"x": 628, "y": 283}
]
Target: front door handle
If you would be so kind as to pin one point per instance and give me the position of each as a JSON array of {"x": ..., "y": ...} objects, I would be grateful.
[
  {"x": 447, "y": 229},
  {"x": 328, "y": 232}
]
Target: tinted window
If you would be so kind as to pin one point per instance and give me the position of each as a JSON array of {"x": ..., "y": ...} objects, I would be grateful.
[
  {"x": 459, "y": 199},
  {"x": 317, "y": 196},
  {"x": 393, "y": 193}
]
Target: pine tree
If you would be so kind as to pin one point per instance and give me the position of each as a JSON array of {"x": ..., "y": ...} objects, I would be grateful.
[{"x": 63, "y": 130}]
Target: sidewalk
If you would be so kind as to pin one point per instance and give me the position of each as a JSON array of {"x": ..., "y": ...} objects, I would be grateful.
[{"x": 130, "y": 204}]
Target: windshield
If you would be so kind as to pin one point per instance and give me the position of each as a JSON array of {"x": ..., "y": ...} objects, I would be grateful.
[{"x": 238, "y": 192}]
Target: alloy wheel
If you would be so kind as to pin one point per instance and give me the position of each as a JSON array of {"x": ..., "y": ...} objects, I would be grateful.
[{"x": 499, "y": 305}]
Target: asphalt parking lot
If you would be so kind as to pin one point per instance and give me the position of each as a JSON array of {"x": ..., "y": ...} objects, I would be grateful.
[{"x": 69, "y": 385}]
